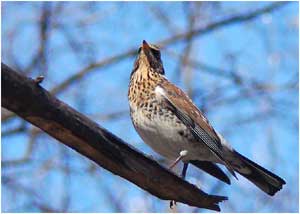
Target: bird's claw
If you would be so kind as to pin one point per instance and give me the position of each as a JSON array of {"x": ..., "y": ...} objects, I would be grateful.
[{"x": 172, "y": 203}]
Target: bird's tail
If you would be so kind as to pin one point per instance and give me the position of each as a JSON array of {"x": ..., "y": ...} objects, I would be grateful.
[{"x": 262, "y": 178}]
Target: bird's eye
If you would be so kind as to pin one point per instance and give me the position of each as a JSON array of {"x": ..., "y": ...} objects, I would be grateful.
[{"x": 139, "y": 51}]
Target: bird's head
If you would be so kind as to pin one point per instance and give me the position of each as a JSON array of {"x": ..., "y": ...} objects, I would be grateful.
[{"x": 149, "y": 56}]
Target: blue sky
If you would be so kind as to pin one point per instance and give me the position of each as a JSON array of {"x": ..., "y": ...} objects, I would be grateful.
[{"x": 264, "y": 50}]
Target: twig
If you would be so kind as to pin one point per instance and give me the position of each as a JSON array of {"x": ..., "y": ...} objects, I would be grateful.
[{"x": 179, "y": 37}]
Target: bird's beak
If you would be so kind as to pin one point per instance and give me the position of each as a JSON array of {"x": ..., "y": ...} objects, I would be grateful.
[
  {"x": 146, "y": 49},
  {"x": 145, "y": 46}
]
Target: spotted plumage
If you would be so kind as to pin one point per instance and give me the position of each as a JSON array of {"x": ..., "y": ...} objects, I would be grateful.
[{"x": 168, "y": 121}]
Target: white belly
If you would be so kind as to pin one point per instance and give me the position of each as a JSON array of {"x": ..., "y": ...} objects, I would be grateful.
[{"x": 164, "y": 138}]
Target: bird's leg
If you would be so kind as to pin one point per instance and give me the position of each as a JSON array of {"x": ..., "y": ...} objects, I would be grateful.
[
  {"x": 183, "y": 173},
  {"x": 175, "y": 162},
  {"x": 181, "y": 155}
]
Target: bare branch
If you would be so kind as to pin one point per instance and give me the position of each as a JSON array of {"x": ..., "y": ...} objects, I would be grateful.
[
  {"x": 16, "y": 130},
  {"x": 178, "y": 37},
  {"x": 223, "y": 23},
  {"x": 90, "y": 68}
]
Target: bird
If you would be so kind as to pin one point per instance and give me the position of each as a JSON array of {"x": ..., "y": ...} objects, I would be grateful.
[{"x": 173, "y": 126}]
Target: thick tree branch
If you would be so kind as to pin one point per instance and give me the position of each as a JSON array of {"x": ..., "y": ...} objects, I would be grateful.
[{"x": 34, "y": 104}]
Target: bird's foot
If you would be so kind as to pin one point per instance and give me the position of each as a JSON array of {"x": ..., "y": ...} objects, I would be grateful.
[{"x": 172, "y": 204}]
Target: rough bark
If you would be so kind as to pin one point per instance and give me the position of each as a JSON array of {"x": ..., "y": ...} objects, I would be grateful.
[{"x": 26, "y": 98}]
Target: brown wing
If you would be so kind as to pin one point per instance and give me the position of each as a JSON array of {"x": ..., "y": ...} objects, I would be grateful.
[
  {"x": 186, "y": 105},
  {"x": 182, "y": 106}
]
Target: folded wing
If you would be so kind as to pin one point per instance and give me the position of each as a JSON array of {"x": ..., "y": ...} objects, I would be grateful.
[{"x": 181, "y": 105}]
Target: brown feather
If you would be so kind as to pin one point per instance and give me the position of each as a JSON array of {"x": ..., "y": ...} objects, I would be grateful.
[{"x": 182, "y": 101}]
